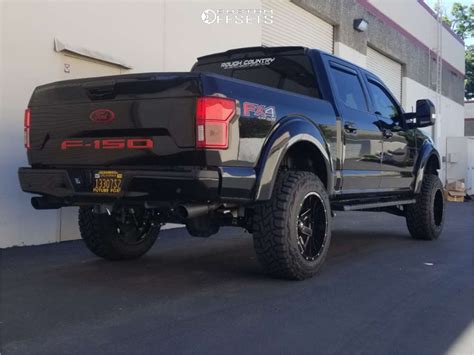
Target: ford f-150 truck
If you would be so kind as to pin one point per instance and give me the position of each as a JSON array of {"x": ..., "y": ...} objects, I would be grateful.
[{"x": 274, "y": 140}]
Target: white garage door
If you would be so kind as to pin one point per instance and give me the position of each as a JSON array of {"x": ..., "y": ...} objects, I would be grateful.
[
  {"x": 294, "y": 26},
  {"x": 387, "y": 69}
]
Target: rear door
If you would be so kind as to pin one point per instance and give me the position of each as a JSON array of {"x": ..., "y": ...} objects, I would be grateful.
[
  {"x": 361, "y": 136},
  {"x": 398, "y": 144}
]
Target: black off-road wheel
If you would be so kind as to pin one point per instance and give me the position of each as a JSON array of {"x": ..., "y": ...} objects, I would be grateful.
[
  {"x": 292, "y": 231},
  {"x": 120, "y": 235},
  {"x": 425, "y": 218}
]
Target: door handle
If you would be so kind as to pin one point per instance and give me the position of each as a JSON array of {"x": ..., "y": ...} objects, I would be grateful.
[
  {"x": 387, "y": 133},
  {"x": 350, "y": 127}
]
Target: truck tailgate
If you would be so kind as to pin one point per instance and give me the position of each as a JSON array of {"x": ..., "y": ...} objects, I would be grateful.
[{"x": 123, "y": 120}]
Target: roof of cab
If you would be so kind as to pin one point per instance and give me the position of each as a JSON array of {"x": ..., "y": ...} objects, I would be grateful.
[
  {"x": 248, "y": 52},
  {"x": 241, "y": 53}
]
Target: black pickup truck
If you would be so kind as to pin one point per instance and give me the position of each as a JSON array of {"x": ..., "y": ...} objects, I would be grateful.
[{"x": 270, "y": 139}]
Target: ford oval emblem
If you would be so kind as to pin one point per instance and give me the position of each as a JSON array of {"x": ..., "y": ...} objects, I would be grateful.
[{"x": 102, "y": 115}]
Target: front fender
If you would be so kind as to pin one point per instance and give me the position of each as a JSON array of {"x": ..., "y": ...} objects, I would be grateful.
[
  {"x": 426, "y": 152},
  {"x": 287, "y": 132}
]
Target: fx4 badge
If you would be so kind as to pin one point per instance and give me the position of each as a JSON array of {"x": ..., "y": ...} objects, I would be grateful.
[
  {"x": 260, "y": 112},
  {"x": 132, "y": 143}
]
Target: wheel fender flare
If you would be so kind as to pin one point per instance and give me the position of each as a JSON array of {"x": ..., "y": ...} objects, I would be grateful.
[
  {"x": 426, "y": 152},
  {"x": 286, "y": 133}
]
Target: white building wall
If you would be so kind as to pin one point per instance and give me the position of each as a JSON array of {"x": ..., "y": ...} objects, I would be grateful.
[
  {"x": 423, "y": 26},
  {"x": 149, "y": 35},
  {"x": 187, "y": 37},
  {"x": 450, "y": 121},
  {"x": 469, "y": 109}
]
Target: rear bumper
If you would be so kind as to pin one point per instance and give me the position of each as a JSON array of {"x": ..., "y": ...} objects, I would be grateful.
[{"x": 74, "y": 186}]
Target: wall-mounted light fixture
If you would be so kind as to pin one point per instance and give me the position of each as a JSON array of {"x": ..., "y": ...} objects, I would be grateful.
[{"x": 360, "y": 25}]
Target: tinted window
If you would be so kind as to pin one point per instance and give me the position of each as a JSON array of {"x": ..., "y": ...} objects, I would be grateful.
[
  {"x": 291, "y": 73},
  {"x": 384, "y": 104},
  {"x": 349, "y": 89}
]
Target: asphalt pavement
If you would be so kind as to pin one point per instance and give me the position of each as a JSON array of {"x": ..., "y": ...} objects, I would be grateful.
[{"x": 380, "y": 292}]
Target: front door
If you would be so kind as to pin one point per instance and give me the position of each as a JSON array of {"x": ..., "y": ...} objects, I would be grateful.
[{"x": 398, "y": 143}]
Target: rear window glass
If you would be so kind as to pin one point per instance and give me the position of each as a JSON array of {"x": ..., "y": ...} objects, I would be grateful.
[{"x": 291, "y": 73}]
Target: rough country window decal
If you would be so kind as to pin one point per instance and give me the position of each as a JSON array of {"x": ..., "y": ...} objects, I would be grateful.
[{"x": 247, "y": 63}]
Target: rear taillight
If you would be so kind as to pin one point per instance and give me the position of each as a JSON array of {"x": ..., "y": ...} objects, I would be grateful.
[
  {"x": 27, "y": 124},
  {"x": 213, "y": 115}
]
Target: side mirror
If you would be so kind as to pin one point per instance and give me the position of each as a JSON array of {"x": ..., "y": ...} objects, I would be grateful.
[{"x": 425, "y": 113}]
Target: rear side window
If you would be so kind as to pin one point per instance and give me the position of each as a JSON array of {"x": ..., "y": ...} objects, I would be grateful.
[
  {"x": 349, "y": 89},
  {"x": 291, "y": 73}
]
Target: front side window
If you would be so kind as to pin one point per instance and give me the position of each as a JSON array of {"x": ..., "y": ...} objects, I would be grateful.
[
  {"x": 349, "y": 89},
  {"x": 384, "y": 105}
]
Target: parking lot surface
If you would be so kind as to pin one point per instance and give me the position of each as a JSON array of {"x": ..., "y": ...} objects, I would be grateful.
[{"x": 379, "y": 292}]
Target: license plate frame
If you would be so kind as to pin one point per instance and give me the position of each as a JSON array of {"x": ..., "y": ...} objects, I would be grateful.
[{"x": 107, "y": 182}]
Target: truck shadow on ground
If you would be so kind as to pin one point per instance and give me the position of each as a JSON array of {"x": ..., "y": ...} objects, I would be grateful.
[{"x": 228, "y": 256}]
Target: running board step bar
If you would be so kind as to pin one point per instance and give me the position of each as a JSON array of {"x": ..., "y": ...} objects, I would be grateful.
[{"x": 371, "y": 205}]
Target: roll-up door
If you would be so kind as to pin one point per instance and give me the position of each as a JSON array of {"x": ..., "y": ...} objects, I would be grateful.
[
  {"x": 294, "y": 26},
  {"x": 387, "y": 69}
]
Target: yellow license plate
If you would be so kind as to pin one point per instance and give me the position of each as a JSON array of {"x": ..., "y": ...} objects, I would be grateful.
[{"x": 107, "y": 182}]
